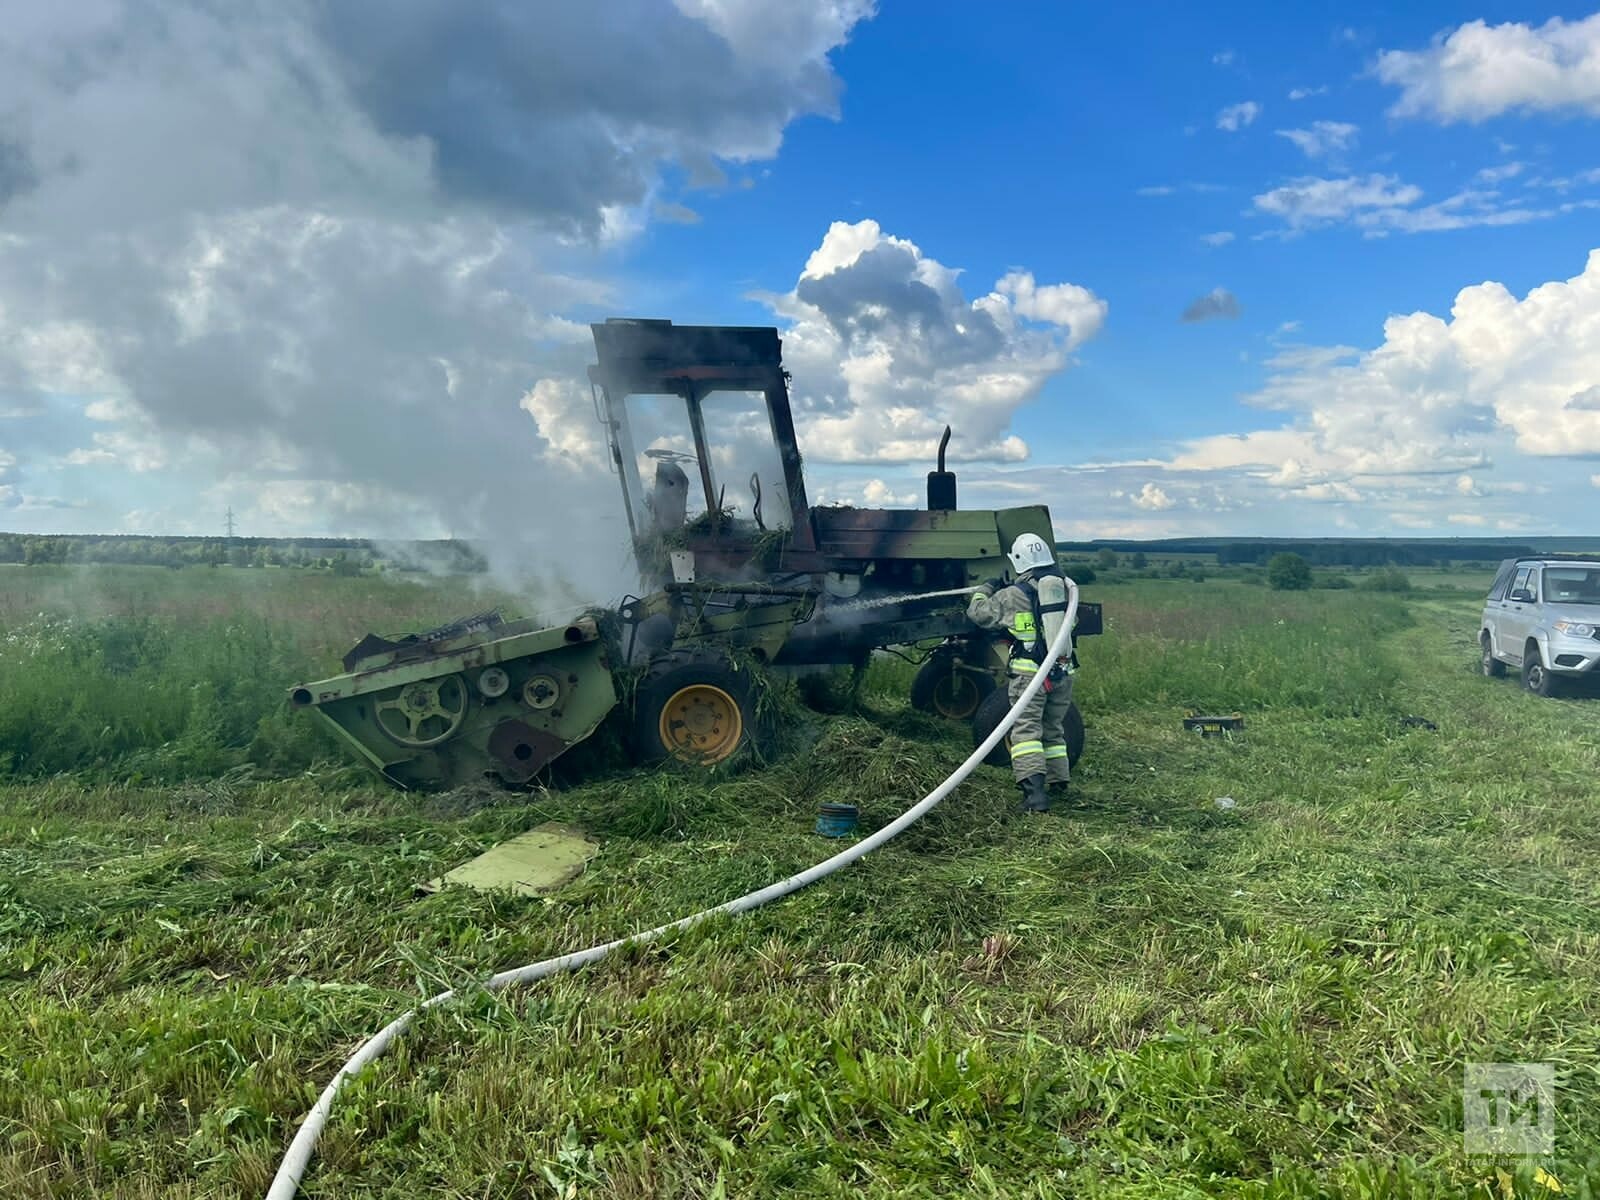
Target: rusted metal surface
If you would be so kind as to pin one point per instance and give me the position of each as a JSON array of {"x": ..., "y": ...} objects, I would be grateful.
[
  {"x": 422, "y": 645},
  {"x": 521, "y": 751}
]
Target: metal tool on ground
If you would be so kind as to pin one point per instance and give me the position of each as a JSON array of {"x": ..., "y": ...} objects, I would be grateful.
[
  {"x": 739, "y": 580},
  {"x": 1208, "y": 727}
]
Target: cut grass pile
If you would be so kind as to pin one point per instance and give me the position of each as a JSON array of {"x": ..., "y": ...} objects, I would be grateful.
[{"x": 1144, "y": 995}]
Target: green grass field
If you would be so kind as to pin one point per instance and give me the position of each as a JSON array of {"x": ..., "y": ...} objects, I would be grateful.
[{"x": 1141, "y": 996}]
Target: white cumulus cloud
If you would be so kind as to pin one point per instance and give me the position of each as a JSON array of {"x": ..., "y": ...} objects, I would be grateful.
[
  {"x": 1501, "y": 173},
  {"x": 1153, "y": 498},
  {"x": 1478, "y": 71},
  {"x": 1334, "y": 491},
  {"x": 886, "y": 349},
  {"x": 879, "y": 494},
  {"x": 1066, "y": 305},
  {"x": 1435, "y": 396},
  {"x": 563, "y": 412}
]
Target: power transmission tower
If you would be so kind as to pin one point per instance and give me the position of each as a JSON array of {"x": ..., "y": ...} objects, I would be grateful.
[{"x": 230, "y": 524}]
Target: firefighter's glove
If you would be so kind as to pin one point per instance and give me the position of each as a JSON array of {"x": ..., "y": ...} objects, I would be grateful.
[
  {"x": 1056, "y": 676},
  {"x": 995, "y": 584}
]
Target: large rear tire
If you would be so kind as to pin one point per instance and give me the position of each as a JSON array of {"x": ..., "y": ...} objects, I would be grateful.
[
  {"x": 950, "y": 689},
  {"x": 996, "y": 705},
  {"x": 700, "y": 713}
]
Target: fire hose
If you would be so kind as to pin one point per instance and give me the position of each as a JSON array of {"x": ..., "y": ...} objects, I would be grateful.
[{"x": 298, "y": 1157}]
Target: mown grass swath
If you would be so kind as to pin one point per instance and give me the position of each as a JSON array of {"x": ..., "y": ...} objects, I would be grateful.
[{"x": 201, "y": 910}]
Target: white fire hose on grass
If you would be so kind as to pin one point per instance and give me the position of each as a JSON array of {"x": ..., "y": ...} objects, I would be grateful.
[{"x": 298, "y": 1157}]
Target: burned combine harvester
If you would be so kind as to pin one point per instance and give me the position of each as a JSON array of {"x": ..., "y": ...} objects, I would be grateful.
[{"x": 743, "y": 575}]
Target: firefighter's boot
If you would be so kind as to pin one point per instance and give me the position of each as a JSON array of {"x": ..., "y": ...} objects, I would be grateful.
[{"x": 1035, "y": 799}]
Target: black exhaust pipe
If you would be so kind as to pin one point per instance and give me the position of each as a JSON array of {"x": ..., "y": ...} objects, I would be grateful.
[{"x": 942, "y": 483}]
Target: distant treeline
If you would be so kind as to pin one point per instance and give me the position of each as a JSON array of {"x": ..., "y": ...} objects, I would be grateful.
[
  {"x": 340, "y": 555},
  {"x": 1323, "y": 552}
]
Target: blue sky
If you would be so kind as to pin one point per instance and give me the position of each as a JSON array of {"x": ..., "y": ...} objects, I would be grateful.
[{"x": 997, "y": 216}]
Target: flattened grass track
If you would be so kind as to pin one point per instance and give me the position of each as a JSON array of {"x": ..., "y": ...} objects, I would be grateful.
[{"x": 1144, "y": 995}]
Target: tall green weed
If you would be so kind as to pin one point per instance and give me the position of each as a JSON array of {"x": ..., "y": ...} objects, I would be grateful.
[{"x": 144, "y": 697}]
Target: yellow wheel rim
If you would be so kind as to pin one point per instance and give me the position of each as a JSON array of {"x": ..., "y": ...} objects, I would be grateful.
[
  {"x": 701, "y": 724},
  {"x": 955, "y": 696}
]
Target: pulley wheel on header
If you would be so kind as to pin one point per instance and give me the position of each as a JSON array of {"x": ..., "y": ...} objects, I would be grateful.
[
  {"x": 493, "y": 682},
  {"x": 541, "y": 692},
  {"x": 423, "y": 713}
]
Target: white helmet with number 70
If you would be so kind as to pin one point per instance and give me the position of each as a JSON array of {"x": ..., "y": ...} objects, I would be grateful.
[{"x": 1030, "y": 552}]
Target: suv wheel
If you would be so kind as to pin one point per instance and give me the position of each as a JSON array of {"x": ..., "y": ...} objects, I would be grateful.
[
  {"x": 1536, "y": 677},
  {"x": 1492, "y": 666}
]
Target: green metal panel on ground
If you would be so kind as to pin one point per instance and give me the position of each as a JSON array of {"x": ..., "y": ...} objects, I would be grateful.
[{"x": 529, "y": 864}]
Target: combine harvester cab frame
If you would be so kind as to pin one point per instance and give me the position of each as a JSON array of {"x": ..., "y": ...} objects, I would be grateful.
[{"x": 762, "y": 582}]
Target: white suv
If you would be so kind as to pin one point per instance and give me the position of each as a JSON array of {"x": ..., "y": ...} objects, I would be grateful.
[{"x": 1543, "y": 615}]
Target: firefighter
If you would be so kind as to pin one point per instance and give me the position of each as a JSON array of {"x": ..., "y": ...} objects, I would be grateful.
[{"x": 1030, "y": 611}]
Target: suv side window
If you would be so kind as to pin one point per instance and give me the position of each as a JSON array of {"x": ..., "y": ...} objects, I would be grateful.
[
  {"x": 1522, "y": 581},
  {"x": 1497, "y": 590}
]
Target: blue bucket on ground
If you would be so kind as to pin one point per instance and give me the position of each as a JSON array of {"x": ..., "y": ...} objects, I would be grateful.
[{"x": 836, "y": 820}]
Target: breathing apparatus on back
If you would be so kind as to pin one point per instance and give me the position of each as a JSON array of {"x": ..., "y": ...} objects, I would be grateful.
[{"x": 1042, "y": 582}]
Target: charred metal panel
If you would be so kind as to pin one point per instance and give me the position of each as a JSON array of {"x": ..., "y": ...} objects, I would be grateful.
[
  {"x": 639, "y": 353},
  {"x": 422, "y": 645},
  {"x": 649, "y": 357},
  {"x": 865, "y": 533}
]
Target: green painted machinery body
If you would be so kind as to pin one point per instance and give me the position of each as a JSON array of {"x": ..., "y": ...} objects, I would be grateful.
[
  {"x": 491, "y": 699},
  {"x": 781, "y": 585},
  {"x": 502, "y": 699}
]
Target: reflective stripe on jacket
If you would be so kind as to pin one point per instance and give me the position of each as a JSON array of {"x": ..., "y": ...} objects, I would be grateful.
[{"x": 1010, "y": 609}]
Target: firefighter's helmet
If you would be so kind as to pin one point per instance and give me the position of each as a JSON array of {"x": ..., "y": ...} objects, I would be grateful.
[{"x": 1030, "y": 552}]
